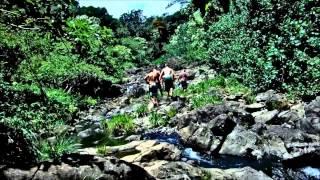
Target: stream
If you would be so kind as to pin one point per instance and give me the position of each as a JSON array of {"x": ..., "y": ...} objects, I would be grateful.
[{"x": 272, "y": 167}]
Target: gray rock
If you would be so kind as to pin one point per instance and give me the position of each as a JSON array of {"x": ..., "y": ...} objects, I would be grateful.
[
  {"x": 274, "y": 147},
  {"x": 255, "y": 107},
  {"x": 90, "y": 133},
  {"x": 265, "y": 96},
  {"x": 145, "y": 151},
  {"x": 86, "y": 167},
  {"x": 258, "y": 128},
  {"x": 299, "y": 110},
  {"x": 221, "y": 125},
  {"x": 273, "y": 100},
  {"x": 264, "y": 116},
  {"x": 173, "y": 170},
  {"x": 237, "y": 174},
  {"x": 208, "y": 113},
  {"x": 311, "y": 123},
  {"x": 239, "y": 142},
  {"x": 136, "y": 90},
  {"x": 288, "y": 116},
  {"x": 201, "y": 138},
  {"x": 133, "y": 138},
  {"x": 177, "y": 105},
  {"x": 186, "y": 132},
  {"x": 296, "y": 141}
]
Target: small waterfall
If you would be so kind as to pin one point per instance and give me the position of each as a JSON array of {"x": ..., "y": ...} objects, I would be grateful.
[{"x": 311, "y": 172}]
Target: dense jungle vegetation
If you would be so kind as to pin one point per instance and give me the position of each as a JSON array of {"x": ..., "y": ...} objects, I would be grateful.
[{"x": 57, "y": 58}]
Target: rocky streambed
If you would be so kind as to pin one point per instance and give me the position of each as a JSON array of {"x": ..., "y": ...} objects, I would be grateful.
[{"x": 270, "y": 138}]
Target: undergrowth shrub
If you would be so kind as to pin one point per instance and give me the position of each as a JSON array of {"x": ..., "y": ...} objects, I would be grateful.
[
  {"x": 53, "y": 150},
  {"x": 120, "y": 125},
  {"x": 157, "y": 120}
]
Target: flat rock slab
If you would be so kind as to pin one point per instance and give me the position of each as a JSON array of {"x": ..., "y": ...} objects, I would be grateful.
[
  {"x": 173, "y": 170},
  {"x": 237, "y": 174},
  {"x": 264, "y": 116}
]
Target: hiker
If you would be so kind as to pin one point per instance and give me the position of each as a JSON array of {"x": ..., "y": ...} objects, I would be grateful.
[
  {"x": 183, "y": 78},
  {"x": 158, "y": 80},
  {"x": 167, "y": 78},
  {"x": 151, "y": 78}
]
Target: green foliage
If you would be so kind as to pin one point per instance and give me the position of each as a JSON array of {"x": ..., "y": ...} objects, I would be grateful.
[
  {"x": 210, "y": 91},
  {"x": 206, "y": 175},
  {"x": 204, "y": 99},
  {"x": 98, "y": 45},
  {"x": 54, "y": 150},
  {"x": 157, "y": 120},
  {"x": 266, "y": 44},
  {"x": 187, "y": 43},
  {"x": 134, "y": 23},
  {"x": 63, "y": 98},
  {"x": 138, "y": 47},
  {"x": 171, "y": 112},
  {"x": 234, "y": 87},
  {"x": 103, "y": 150},
  {"x": 37, "y": 14},
  {"x": 142, "y": 110},
  {"x": 54, "y": 64},
  {"x": 119, "y": 125},
  {"x": 101, "y": 13},
  {"x": 203, "y": 86},
  {"x": 161, "y": 60},
  {"x": 90, "y": 101}
]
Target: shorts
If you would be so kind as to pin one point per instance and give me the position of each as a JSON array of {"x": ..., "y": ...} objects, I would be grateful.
[
  {"x": 184, "y": 84},
  {"x": 168, "y": 84},
  {"x": 153, "y": 89},
  {"x": 159, "y": 85}
]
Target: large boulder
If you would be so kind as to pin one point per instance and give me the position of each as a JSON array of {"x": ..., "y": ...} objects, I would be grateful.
[
  {"x": 221, "y": 125},
  {"x": 176, "y": 63},
  {"x": 237, "y": 174},
  {"x": 306, "y": 159},
  {"x": 204, "y": 129},
  {"x": 173, "y": 170},
  {"x": 273, "y": 147},
  {"x": 203, "y": 139},
  {"x": 208, "y": 113},
  {"x": 311, "y": 123},
  {"x": 255, "y": 107},
  {"x": 145, "y": 151},
  {"x": 273, "y": 100},
  {"x": 295, "y": 141},
  {"x": 96, "y": 87},
  {"x": 200, "y": 115},
  {"x": 136, "y": 90},
  {"x": 239, "y": 142},
  {"x": 206, "y": 136},
  {"x": 265, "y": 116},
  {"x": 291, "y": 117},
  {"x": 79, "y": 167}
]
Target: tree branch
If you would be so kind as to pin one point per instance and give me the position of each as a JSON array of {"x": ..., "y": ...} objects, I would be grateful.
[
  {"x": 3, "y": 10},
  {"x": 25, "y": 28}
]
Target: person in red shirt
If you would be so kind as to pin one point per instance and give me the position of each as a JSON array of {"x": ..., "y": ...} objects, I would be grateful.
[{"x": 183, "y": 79}]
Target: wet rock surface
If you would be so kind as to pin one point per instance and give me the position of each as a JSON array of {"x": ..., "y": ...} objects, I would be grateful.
[
  {"x": 238, "y": 174},
  {"x": 79, "y": 167}
]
